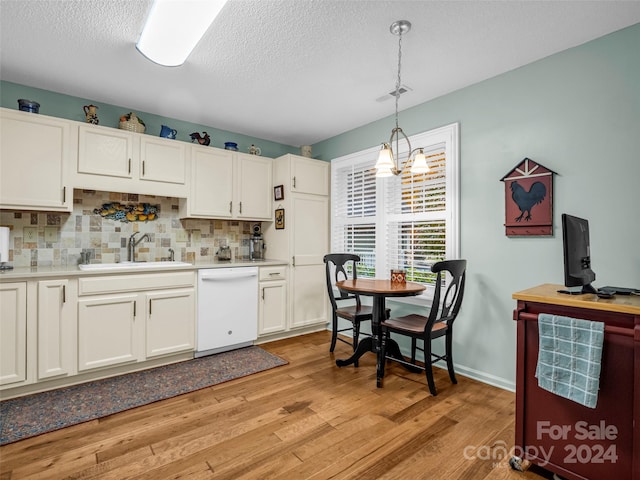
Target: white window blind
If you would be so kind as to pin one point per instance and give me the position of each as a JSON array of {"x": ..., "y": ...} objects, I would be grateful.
[
  {"x": 354, "y": 213},
  {"x": 403, "y": 222},
  {"x": 416, "y": 218}
]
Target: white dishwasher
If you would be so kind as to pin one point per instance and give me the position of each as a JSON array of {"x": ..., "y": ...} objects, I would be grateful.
[{"x": 227, "y": 309}]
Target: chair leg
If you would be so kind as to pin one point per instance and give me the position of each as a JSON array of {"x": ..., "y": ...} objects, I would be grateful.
[
  {"x": 381, "y": 360},
  {"x": 449, "y": 350},
  {"x": 334, "y": 332},
  {"x": 428, "y": 367},
  {"x": 413, "y": 349}
]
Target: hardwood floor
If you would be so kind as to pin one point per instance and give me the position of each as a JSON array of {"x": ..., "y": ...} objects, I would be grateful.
[{"x": 306, "y": 420}]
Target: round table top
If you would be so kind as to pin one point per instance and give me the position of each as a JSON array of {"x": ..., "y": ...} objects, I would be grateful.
[{"x": 386, "y": 288}]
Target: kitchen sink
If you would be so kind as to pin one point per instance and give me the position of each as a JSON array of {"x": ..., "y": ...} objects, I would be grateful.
[{"x": 104, "y": 267}]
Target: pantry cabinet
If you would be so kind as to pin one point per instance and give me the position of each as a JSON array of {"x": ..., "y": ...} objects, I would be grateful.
[
  {"x": 56, "y": 328},
  {"x": 308, "y": 175},
  {"x": 13, "y": 332},
  {"x": 110, "y": 159},
  {"x": 272, "y": 307},
  {"x": 35, "y": 152},
  {"x": 304, "y": 240},
  {"x": 309, "y": 244},
  {"x": 228, "y": 185}
]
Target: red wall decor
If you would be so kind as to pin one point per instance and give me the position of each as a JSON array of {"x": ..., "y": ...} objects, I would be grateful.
[{"x": 528, "y": 195}]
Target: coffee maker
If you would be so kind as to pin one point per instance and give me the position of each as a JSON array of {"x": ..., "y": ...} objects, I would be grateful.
[{"x": 256, "y": 243}]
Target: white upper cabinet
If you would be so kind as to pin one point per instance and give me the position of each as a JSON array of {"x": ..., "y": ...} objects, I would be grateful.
[
  {"x": 162, "y": 160},
  {"x": 117, "y": 160},
  {"x": 211, "y": 192},
  {"x": 35, "y": 153},
  {"x": 309, "y": 176},
  {"x": 105, "y": 151},
  {"x": 227, "y": 184},
  {"x": 253, "y": 191}
]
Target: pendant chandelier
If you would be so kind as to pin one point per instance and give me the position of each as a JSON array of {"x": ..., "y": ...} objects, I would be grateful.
[{"x": 389, "y": 162}]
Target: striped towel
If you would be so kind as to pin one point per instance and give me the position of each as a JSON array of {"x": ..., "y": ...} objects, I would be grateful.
[{"x": 569, "y": 357}]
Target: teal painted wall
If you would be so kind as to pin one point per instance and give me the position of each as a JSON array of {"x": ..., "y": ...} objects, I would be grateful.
[
  {"x": 577, "y": 113},
  {"x": 65, "y": 106}
]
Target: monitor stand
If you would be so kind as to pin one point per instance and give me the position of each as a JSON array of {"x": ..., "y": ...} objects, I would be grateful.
[{"x": 580, "y": 290}]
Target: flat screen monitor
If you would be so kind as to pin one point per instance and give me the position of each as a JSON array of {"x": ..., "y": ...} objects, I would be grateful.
[{"x": 577, "y": 255}]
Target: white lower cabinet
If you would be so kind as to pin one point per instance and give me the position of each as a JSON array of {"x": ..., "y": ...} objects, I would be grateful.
[
  {"x": 61, "y": 331},
  {"x": 56, "y": 328},
  {"x": 272, "y": 309},
  {"x": 109, "y": 332},
  {"x": 169, "y": 323},
  {"x": 13, "y": 333},
  {"x": 132, "y": 318}
]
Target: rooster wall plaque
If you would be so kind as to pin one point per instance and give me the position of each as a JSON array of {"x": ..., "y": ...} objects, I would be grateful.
[{"x": 528, "y": 200}]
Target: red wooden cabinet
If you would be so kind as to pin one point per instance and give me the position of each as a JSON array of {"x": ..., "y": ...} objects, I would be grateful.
[{"x": 563, "y": 436}]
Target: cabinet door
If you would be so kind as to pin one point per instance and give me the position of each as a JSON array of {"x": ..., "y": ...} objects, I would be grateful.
[
  {"x": 105, "y": 151},
  {"x": 162, "y": 160},
  {"x": 272, "y": 313},
  {"x": 253, "y": 187},
  {"x": 109, "y": 333},
  {"x": 170, "y": 322},
  {"x": 56, "y": 345},
  {"x": 34, "y": 155},
  {"x": 13, "y": 332},
  {"x": 309, "y": 176},
  {"x": 310, "y": 242},
  {"x": 211, "y": 183}
]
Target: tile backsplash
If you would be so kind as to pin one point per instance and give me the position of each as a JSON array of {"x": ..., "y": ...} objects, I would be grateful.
[{"x": 57, "y": 239}]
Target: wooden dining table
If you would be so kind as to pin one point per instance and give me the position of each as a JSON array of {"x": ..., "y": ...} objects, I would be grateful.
[{"x": 380, "y": 290}]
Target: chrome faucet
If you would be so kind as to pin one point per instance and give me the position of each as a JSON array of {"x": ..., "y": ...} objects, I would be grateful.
[
  {"x": 131, "y": 247},
  {"x": 172, "y": 255}
]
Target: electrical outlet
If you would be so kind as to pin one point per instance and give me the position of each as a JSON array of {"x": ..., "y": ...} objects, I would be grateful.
[
  {"x": 30, "y": 234},
  {"x": 195, "y": 236},
  {"x": 50, "y": 234},
  {"x": 182, "y": 236}
]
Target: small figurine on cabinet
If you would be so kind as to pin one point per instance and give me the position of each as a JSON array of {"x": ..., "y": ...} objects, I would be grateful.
[
  {"x": 204, "y": 140},
  {"x": 90, "y": 114}
]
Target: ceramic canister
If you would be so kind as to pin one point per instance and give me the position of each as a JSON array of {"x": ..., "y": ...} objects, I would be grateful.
[
  {"x": 305, "y": 150},
  {"x": 28, "y": 106}
]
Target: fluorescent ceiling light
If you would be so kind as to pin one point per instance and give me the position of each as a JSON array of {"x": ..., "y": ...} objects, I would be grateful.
[{"x": 174, "y": 28}]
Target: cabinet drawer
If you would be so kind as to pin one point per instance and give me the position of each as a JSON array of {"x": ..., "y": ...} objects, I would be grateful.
[
  {"x": 123, "y": 283},
  {"x": 273, "y": 273}
]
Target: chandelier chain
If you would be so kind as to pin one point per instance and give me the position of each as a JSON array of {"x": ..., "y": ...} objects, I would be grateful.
[{"x": 399, "y": 69}]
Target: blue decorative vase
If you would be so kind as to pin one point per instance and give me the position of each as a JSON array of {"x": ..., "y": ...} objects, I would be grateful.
[{"x": 28, "y": 106}]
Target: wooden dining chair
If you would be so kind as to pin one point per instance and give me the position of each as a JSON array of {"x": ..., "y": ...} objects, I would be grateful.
[
  {"x": 342, "y": 266},
  {"x": 438, "y": 323}
]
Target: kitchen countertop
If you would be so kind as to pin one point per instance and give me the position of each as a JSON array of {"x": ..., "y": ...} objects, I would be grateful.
[{"x": 30, "y": 273}]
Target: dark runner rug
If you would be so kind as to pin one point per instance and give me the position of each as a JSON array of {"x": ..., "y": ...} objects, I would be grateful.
[{"x": 32, "y": 415}]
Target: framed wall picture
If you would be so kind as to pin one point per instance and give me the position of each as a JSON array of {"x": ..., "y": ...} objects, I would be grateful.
[
  {"x": 278, "y": 193},
  {"x": 528, "y": 200},
  {"x": 280, "y": 219}
]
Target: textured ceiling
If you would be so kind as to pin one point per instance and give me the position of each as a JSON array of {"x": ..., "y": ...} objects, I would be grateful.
[{"x": 291, "y": 71}]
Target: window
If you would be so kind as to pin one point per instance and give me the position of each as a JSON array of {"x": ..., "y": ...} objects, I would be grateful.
[{"x": 404, "y": 222}]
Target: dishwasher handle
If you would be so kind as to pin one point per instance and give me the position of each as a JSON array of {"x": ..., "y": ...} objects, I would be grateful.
[{"x": 227, "y": 275}]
